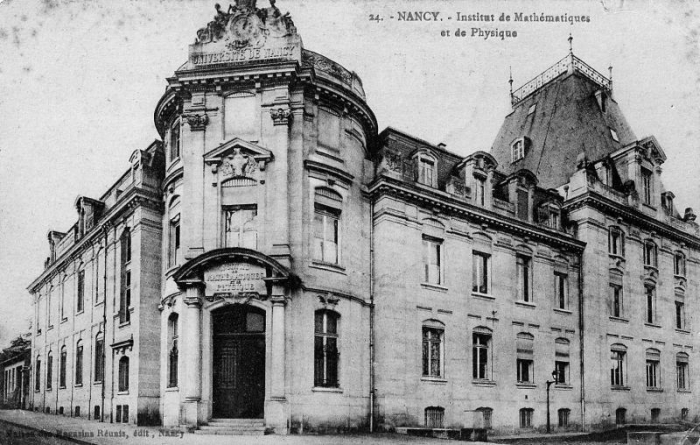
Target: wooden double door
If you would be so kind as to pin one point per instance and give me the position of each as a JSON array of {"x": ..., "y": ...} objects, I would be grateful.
[{"x": 239, "y": 362}]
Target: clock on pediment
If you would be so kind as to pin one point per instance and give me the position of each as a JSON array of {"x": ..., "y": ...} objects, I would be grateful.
[{"x": 238, "y": 159}]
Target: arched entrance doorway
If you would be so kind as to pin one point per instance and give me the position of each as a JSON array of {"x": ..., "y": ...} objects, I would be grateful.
[{"x": 239, "y": 362}]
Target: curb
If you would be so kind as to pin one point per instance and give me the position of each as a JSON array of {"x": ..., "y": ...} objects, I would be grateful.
[{"x": 46, "y": 433}]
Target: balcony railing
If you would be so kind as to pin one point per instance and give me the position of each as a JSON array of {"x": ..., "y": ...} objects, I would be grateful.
[{"x": 554, "y": 71}]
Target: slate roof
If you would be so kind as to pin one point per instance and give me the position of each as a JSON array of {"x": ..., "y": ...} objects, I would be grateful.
[{"x": 566, "y": 122}]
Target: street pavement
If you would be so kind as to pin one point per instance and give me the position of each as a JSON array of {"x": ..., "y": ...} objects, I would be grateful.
[{"x": 19, "y": 427}]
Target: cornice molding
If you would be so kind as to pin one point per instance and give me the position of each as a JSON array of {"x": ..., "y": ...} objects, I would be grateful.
[
  {"x": 599, "y": 202},
  {"x": 431, "y": 200}
]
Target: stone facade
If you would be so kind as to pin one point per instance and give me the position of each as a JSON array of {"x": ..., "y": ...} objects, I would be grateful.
[{"x": 278, "y": 258}]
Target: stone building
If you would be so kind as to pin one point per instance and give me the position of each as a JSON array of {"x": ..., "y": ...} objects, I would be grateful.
[{"x": 277, "y": 259}]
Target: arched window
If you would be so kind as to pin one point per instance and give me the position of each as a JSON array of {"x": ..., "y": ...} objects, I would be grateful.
[
  {"x": 563, "y": 417},
  {"x": 526, "y": 415},
  {"x": 682, "y": 377},
  {"x": 481, "y": 354},
  {"x": 327, "y": 217},
  {"x": 616, "y": 241},
  {"x": 487, "y": 414},
  {"x": 618, "y": 365},
  {"x": 99, "y": 357},
  {"x": 653, "y": 357},
  {"x": 523, "y": 261},
  {"x": 620, "y": 416},
  {"x": 123, "y": 374},
  {"x": 174, "y": 232},
  {"x": 172, "y": 350},
  {"x": 433, "y": 349},
  {"x": 650, "y": 253},
  {"x": 561, "y": 363},
  {"x": 79, "y": 363},
  {"x": 650, "y": 300},
  {"x": 525, "y": 361},
  {"x": 434, "y": 417},
  {"x": 426, "y": 168},
  {"x": 62, "y": 368},
  {"x": 174, "y": 140},
  {"x": 49, "y": 370},
  {"x": 80, "y": 303},
  {"x": 326, "y": 353}
]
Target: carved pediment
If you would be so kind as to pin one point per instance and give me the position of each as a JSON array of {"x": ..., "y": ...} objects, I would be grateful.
[
  {"x": 238, "y": 159},
  {"x": 652, "y": 150}
]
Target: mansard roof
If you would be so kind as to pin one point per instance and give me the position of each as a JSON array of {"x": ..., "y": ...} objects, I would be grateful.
[{"x": 562, "y": 113}]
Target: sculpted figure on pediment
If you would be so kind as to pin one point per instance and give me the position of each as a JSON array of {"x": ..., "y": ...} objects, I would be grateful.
[{"x": 238, "y": 165}]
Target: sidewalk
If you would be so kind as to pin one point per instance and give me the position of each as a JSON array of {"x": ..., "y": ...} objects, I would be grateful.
[{"x": 89, "y": 432}]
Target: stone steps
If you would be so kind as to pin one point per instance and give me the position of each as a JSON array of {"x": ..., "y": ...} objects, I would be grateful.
[{"x": 238, "y": 427}]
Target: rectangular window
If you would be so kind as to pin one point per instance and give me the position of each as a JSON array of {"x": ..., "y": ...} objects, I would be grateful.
[
  {"x": 432, "y": 261},
  {"x": 647, "y": 186},
  {"x": 480, "y": 191},
  {"x": 616, "y": 302},
  {"x": 99, "y": 360},
  {"x": 63, "y": 300},
  {"x": 174, "y": 251},
  {"x": 79, "y": 365},
  {"x": 37, "y": 376},
  {"x": 617, "y": 368},
  {"x": 561, "y": 370},
  {"x": 682, "y": 372},
  {"x": 525, "y": 370},
  {"x": 680, "y": 315},
  {"x": 326, "y": 236},
  {"x": 62, "y": 369},
  {"x": 526, "y": 417},
  {"x": 564, "y": 417},
  {"x": 523, "y": 204},
  {"x": 241, "y": 227},
  {"x": 432, "y": 352},
  {"x": 175, "y": 141},
  {"x": 480, "y": 356},
  {"x": 49, "y": 371},
  {"x": 328, "y": 129},
  {"x": 561, "y": 285},
  {"x": 679, "y": 264},
  {"x": 480, "y": 272},
  {"x": 326, "y": 349},
  {"x": 517, "y": 150},
  {"x": 616, "y": 242},
  {"x": 524, "y": 266},
  {"x": 652, "y": 374},
  {"x": 241, "y": 117},
  {"x": 123, "y": 374},
  {"x": 80, "y": 304},
  {"x": 650, "y": 294},
  {"x": 125, "y": 300}
]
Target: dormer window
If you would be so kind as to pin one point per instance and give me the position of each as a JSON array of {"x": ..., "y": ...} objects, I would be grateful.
[
  {"x": 531, "y": 109},
  {"x": 519, "y": 148},
  {"x": 427, "y": 171},
  {"x": 613, "y": 133}
]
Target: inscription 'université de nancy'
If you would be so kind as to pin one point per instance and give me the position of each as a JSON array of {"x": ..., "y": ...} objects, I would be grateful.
[{"x": 244, "y": 55}]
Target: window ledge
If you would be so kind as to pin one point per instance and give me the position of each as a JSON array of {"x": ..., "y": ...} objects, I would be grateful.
[
  {"x": 619, "y": 319},
  {"x": 525, "y": 304},
  {"x": 616, "y": 256},
  {"x": 684, "y": 391},
  {"x": 97, "y": 383},
  {"x": 80, "y": 312},
  {"x": 99, "y": 303},
  {"x": 436, "y": 380},
  {"x": 651, "y": 267},
  {"x": 619, "y": 388},
  {"x": 78, "y": 385},
  {"x": 49, "y": 328},
  {"x": 172, "y": 389},
  {"x": 680, "y": 277},
  {"x": 483, "y": 382},
  {"x": 525, "y": 385},
  {"x": 683, "y": 331},
  {"x": 64, "y": 319},
  {"x": 435, "y": 287},
  {"x": 652, "y": 325},
  {"x": 123, "y": 393},
  {"x": 563, "y": 311},
  {"x": 327, "y": 266},
  {"x": 62, "y": 387},
  {"x": 484, "y": 296},
  {"x": 328, "y": 390},
  {"x": 563, "y": 387},
  {"x": 655, "y": 389}
]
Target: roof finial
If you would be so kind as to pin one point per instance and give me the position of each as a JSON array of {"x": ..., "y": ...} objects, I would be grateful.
[
  {"x": 571, "y": 46},
  {"x": 510, "y": 80},
  {"x": 610, "y": 73}
]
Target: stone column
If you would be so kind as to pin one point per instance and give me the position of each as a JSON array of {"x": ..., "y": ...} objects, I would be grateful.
[
  {"x": 278, "y": 185},
  {"x": 276, "y": 409},
  {"x": 192, "y": 355},
  {"x": 192, "y": 149}
]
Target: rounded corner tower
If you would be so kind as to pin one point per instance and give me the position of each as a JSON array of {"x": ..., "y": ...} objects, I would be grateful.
[{"x": 265, "y": 308}]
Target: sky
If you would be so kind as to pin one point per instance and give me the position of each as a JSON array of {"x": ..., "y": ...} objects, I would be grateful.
[{"x": 79, "y": 81}]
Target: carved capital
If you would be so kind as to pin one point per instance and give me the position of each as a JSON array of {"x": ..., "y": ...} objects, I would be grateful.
[
  {"x": 197, "y": 122},
  {"x": 193, "y": 302},
  {"x": 280, "y": 116}
]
